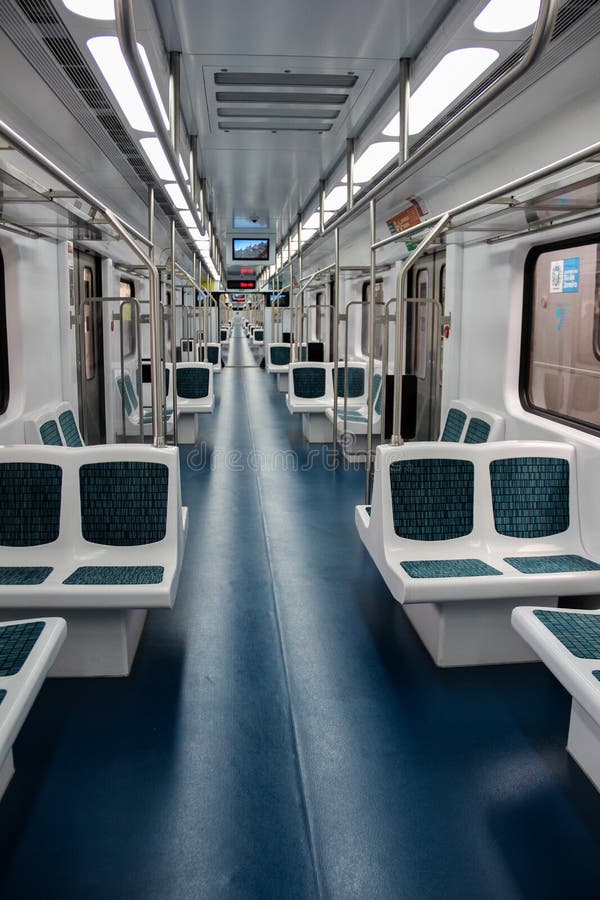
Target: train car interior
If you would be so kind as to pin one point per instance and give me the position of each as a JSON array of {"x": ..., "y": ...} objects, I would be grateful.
[{"x": 299, "y": 450}]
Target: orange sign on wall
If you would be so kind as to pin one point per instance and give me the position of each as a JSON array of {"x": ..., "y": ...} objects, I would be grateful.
[{"x": 410, "y": 215}]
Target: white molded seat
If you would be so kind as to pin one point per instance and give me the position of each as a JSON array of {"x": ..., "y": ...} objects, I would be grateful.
[
  {"x": 28, "y": 649},
  {"x": 568, "y": 643},
  {"x": 102, "y": 536},
  {"x": 454, "y": 524}
]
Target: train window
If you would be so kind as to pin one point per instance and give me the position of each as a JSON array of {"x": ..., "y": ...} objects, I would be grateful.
[
  {"x": 560, "y": 350},
  {"x": 320, "y": 314},
  {"x": 423, "y": 283},
  {"x": 364, "y": 333},
  {"x": 128, "y": 317},
  {"x": 89, "y": 324},
  {"x": 443, "y": 285},
  {"x": 4, "y": 372}
]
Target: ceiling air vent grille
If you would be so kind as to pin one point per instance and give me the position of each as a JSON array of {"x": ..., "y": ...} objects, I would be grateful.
[
  {"x": 281, "y": 101},
  {"x": 41, "y": 36}
]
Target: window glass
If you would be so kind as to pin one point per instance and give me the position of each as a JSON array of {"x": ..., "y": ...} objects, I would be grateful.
[
  {"x": 4, "y": 371},
  {"x": 379, "y": 310},
  {"x": 128, "y": 313},
  {"x": 560, "y": 362}
]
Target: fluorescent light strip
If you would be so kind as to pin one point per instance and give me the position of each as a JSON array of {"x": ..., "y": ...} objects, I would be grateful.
[
  {"x": 372, "y": 160},
  {"x": 176, "y": 195},
  {"x": 92, "y": 9},
  {"x": 454, "y": 73},
  {"x": 158, "y": 159},
  {"x": 111, "y": 62},
  {"x": 500, "y": 16}
]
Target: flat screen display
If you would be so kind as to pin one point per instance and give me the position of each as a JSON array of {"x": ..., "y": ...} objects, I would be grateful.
[{"x": 251, "y": 249}]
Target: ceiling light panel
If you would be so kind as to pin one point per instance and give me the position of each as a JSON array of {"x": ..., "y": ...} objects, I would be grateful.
[
  {"x": 500, "y": 16},
  {"x": 373, "y": 160},
  {"x": 108, "y": 57},
  {"x": 92, "y": 9},
  {"x": 455, "y": 72},
  {"x": 158, "y": 159}
]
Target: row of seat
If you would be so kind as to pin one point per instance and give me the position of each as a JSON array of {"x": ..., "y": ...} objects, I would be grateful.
[
  {"x": 465, "y": 534},
  {"x": 54, "y": 425},
  {"x": 96, "y": 535}
]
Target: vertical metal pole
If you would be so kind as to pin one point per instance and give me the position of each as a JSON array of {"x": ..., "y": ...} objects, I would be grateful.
[
  {"x": 194, "y": 167},
  {"x": 403, "y": 109},
  {"x": 156, "y": 372},
  {"x": 174, "y": 99},
  {"x": 336, "y": 307},
  {"x": 299, "y": 233},
  {"x": 205, "y": 318},
  {"x": 173, "y": 333},
  {"x": 401, "y": 281},
  {"x": 350, "y": 172},
  {"x": 372, "y": 311}
]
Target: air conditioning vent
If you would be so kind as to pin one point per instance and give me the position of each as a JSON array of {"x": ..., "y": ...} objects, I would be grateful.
[
  {"x": 285, "y": 79},
  {"x": 38, "y": 32},
  {"x": 280, "y": 101}
]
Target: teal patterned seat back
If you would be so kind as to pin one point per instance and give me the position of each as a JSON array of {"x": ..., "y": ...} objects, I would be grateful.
[
  {"x": 280, "y": 356},
  {"x": 30, "y": 507},
  {"x": 309, "y": 383},
  {"x": 124, "y": 504},
  {"x": 192, "y": 384},
  {"x": 70, "y": 429},
  {"x": 303, "y": 354},
  {"x": 530, "y": 496},
  {"x": 212, "y": 354},
  {"x": 478, "y": 431},
  {"x": 129, "y": 394},
  {"x": 356, "y": 381},
  {"x": 432, "y": 499},
  {"x": 455, "y": 422},
  {"x": 377, "y": 393},
  {"x": 50, "y": 434},
  {"x": 259, "y": 334}
]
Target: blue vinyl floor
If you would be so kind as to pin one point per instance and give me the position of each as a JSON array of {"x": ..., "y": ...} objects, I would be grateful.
[{"x": 283, "y": 733}]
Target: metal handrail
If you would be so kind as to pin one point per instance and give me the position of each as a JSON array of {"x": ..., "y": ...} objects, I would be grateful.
[{"x": 539, "y": 41}]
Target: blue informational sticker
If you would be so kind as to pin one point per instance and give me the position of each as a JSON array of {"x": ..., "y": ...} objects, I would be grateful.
[{"x": 570, "y": 283}]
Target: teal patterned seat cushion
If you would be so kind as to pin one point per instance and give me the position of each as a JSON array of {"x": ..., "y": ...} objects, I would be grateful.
[
  {"x": 280, "y": 356},
  {"x": 309, "y": 383},
  {"x": 578, "y": 632},
  {"x": 23, "y": 575},
  {"x": 530, "y": 496},
  {"x": 596, "y": 674},
  {"x": 192, "y": 384},
  {"x": 97, "y": 575},
  {"x": 448, "y": 568},
  {"x": 478, "y": 431},
  {"x": 356, "y": 381},
  {"x": 540, "y": 565},
  {"x": 432, "y": 499},
  {"x": 16, "y": 643},
  {"x": 50, "y": 434},
  {"x": 124, "y": 504},
  {"x": 455, "y": 422},
  {"x": 212, "y": 354},
  {"x": 30, "y": 507},
  {"x": 70, "y": 429}
]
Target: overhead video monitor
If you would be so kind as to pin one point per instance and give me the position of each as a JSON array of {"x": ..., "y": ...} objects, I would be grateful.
[{"x": 251, "y": 249}]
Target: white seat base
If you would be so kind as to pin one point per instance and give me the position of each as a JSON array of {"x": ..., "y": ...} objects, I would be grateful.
[
  {"x": 316, "y": 428},
  {"x": 471, "y": 633},
  {"x": 282, "y": 382},
  {"x": 354, "y": 446},
  {"x": 584, "y": 742},
  {"x": 187, "y": 428},
  {"x": 7, "y": 770},
  {"x": 100, "y": 643}
]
